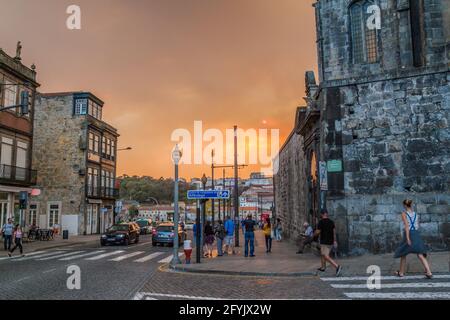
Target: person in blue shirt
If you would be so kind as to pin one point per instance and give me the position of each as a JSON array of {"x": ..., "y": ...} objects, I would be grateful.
[
  {"x": 229, "y": 235},
  {"x": 7, "y": 231},
  {"x": 249, "y": 225}
]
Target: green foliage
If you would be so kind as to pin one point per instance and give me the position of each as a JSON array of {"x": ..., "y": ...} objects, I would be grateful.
[{"x": 142, "y": 189}]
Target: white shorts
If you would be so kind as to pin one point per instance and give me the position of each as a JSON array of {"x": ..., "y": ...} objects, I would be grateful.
[{"x": 229, "y": 240}]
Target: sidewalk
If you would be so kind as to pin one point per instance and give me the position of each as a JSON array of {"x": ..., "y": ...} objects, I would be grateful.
[
  {"x": 283, "y": 261},
  {"x": 58, "y": 242}
]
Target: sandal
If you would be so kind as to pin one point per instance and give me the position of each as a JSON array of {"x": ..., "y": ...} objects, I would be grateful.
[
  {"x": 429, "y": 276},
  {"x": 398, "y": 274},
  {"x": 321, "y": 269}
]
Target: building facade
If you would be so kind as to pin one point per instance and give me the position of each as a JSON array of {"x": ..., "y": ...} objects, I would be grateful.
[
  {"x": 75, "y": 153},
  {"x": 375, "y": 128},
  {"x": 16, "y": 138}
]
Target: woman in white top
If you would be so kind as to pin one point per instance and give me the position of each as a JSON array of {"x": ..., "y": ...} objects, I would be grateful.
[{"x": 412, "y": 241}]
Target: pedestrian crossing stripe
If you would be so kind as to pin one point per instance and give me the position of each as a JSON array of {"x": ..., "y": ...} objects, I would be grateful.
[
  {"x": 17, "y": 257},
  {"x": 40, "y": 256},
  {"x": 336, "y": 279},
  {"x": 105, "y": 255},
  {"x": 398, "y": 295},
  {"x": 169, "y": 258},
  {"x": 149, "y": 257},
  {"x": 72, "y": 257},
  {"x": 130, "y": 255},
  {"x": 59, "y": 256},
  {"x": 395, "y": 285}
]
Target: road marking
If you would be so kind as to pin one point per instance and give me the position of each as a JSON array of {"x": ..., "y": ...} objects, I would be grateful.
[
  {"x": 141, "y": 295},
  {"x": 51, "y": 270},
  {"x": 104, "y": 255},
  {"x": 28, "y": 255},
  {"x": 398, "y": 295},
  {"x": 169, "y": 258},
  {"x": 332, "y": 279},
  {"x": 81, "y": 255},
  {"x": 149, "y": 257},
  {"x": 127, "y": 256},
  {"x": 395, "y": 285},
  {"x": 59, "y": 256},
  {"x": 40, "y": 256}
]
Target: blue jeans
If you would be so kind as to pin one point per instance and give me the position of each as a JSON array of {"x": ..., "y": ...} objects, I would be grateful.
[
  {"x": 7, "y": 242},
  {"x": 219, "y": 246},
  {"x": 250, "y": 242}
]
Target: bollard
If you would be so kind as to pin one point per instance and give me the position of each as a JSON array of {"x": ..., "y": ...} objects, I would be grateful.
[{"x": 187, "y": 251}]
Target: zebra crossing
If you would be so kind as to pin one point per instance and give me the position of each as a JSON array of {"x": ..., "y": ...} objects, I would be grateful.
[
  {"x": 97, "y": 255},
  {"x": 393, "y": 287}
]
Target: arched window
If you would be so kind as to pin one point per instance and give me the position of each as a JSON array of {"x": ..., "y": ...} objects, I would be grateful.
[{"x": 364, "y": 40}]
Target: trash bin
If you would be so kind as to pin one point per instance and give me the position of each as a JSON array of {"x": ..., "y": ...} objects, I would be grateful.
[{"x": 65, "y": 234}]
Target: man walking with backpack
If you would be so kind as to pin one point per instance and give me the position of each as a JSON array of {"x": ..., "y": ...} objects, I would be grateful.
[
  {"x": 220, "y": 236},
  {"x": 327, "y": 232}
]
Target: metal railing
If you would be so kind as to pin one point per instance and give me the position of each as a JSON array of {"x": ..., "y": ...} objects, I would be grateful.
[
  {"x": 102, "y": 192},
  {"x": 17, "y": 175}
]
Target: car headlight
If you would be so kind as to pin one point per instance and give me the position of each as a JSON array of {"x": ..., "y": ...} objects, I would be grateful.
[
  {"x": 103, "y": 236},
  {"x": 120, "y": 235}
]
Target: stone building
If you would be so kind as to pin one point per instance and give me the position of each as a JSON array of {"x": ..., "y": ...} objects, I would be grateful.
[
  {"x": 75, "y": 153},
  {"x": 375, "y": 128},
  {"x": 16, "y": 137}
]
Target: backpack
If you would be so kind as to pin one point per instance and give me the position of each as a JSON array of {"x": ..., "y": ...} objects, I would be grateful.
[{"x": 220, "y": 232}]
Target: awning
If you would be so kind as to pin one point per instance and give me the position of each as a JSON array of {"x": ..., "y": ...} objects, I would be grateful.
[{"x": 14, "y": 189}]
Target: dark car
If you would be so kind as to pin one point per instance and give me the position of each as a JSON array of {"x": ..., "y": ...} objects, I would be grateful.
[
  {"x": 121, "y": 234},
  {"x": 164, "y": 234},
  {"x": 145, "y": 226}
]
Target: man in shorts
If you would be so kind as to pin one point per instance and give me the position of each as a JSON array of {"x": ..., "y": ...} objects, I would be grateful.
[
  {"x": 229, "y": 235},
  {"x": 327, "y": 232}
]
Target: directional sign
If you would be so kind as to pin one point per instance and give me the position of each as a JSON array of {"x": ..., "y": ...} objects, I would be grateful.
[{"x": 208, "y": 194}]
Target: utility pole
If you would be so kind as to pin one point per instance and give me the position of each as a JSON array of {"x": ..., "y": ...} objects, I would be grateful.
[
  {"x": 236, "y": 192},
  {"x": 224, "y": 201},
  {"x": 212, "y": 184}
]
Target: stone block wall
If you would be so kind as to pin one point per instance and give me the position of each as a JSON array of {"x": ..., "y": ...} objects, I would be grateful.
[
  {"x": 290, "y": 187},
  {"x": 57, "y": 156}
]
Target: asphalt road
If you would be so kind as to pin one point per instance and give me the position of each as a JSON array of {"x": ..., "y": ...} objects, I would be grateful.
[{"x": 139, "y": 272}]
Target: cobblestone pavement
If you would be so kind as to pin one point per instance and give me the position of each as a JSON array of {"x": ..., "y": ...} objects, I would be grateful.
[
  {"x": 172, "y": 285},
  {"x": 114, "y": 272}
]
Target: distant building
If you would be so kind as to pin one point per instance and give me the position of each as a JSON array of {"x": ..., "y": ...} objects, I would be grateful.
[
  {"x": 160, "y": 213},
  {"x": 16, "y": 138},
  {"x": 75, "y": 153}
]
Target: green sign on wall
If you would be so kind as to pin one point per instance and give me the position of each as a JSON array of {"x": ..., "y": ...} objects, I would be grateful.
[{"x": 334, "y": 165}]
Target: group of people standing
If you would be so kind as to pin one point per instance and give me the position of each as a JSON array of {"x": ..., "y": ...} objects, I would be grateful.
[{"x": 12, "y": 235}]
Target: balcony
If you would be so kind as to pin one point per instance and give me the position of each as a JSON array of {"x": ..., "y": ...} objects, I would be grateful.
[
  {"x": 17, "y": 176},
  {"x": 102, "y": 192}
]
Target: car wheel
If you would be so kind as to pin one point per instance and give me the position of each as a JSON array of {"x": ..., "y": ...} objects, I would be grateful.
[
  {"x": 136, "y": 240},
  {"x": 154, "y": 244},
  {"x": 102, "y": 243},
  {"x": 126, "y": 242}
]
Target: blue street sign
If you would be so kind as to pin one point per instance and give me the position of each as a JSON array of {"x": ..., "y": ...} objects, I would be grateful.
[{"x": 208, "y": 194}]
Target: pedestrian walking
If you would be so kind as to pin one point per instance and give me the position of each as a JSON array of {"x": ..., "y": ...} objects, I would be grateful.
[
  {"x": 229, "y": 235},
  {"x": 267, "y": 229},
  {"x": 220, "y": 236},
  {"x": 17, "y": 238},
  {"x": 249, "y": 236},
  {"x": 209, "y": 239},
  {"x": 412, "y": 241},
  {"x": 327, "y": 231},
  {"x": 307, "y": 237},
  {"x": 7, "y": 231},
  {"x": 278, "y": 229}
]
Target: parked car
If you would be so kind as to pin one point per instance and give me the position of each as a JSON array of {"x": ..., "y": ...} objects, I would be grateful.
[
  {"x": 145, "y": 226},
  {"x": 164, "y": 234},
  {"x": 121, "y": 234}
]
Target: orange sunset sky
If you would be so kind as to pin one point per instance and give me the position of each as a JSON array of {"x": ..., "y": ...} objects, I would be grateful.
[{"x": 160, "y": 65}]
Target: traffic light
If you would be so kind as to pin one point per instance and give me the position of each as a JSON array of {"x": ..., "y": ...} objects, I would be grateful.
[
  {"x": 23, "y": 199},
  {"x": 24, "y": 103}
]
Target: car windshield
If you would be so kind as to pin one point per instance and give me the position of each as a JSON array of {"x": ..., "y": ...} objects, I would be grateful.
[
  {"x": 165, "y": 229},
  {"x": 142, "y": 223},
  {"x": 119, "y": 227}
]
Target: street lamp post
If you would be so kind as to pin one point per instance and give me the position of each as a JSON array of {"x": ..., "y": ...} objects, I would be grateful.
[
  {"x": 176, "y": 156},
  {"x": 212, "y": 185}
]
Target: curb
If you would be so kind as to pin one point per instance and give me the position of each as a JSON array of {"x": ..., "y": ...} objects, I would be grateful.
[{"x": 243, "y": 273}]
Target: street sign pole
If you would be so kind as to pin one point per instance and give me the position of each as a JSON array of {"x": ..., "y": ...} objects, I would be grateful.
[{"x": 236, "y": 200}]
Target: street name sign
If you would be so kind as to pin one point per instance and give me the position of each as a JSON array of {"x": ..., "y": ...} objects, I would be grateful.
[{"x": 208, "y": 194}]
